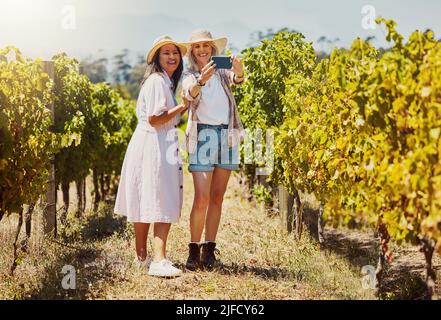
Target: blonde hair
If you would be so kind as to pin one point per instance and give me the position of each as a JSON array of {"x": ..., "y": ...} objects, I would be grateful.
[{"x": 192, "y": 60}]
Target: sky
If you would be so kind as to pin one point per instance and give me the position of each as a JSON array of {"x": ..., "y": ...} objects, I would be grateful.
[{"x": 82, "y": 28}]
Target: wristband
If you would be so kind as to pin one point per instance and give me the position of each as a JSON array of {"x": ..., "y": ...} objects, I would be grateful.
[{"x": 238, "y": 79}]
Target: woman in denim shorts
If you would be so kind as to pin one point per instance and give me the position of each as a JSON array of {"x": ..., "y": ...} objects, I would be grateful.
[{"x": 213, "y": 134}]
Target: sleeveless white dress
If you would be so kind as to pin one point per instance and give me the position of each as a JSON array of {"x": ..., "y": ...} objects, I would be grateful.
[{"x": 151, "y": 184}]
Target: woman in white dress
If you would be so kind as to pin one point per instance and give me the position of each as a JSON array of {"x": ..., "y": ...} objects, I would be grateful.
[{"x": 150, "y": 188}]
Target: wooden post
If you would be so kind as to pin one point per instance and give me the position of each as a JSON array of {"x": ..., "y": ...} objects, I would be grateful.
[
  {"x": 286, "y": 202},
  {"x": 320, "y": 226},
  {"x": 297, "y": 212},
  {"x": 50, "y": 218}
]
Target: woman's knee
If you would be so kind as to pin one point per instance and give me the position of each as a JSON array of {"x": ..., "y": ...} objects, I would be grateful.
[
  {"x": 217, "y": 197},
  {"x": 201, "y": 201}
]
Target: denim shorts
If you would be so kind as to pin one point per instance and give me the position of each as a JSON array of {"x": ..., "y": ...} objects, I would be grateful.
[{"x": 212, "y": 150}]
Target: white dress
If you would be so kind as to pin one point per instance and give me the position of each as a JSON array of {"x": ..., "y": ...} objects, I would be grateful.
[{"x": 151, "y": 184}]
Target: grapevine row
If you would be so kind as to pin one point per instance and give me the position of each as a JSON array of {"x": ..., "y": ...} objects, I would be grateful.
[
  {"x": 88, "y": 133},
  {"x": 360, "y": 130}
]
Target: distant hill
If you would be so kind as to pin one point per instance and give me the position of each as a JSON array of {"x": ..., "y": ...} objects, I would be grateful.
[{"x": 113, "y": 34}]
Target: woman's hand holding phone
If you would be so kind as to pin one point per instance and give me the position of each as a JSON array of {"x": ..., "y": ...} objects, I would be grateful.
[
  {"x": 237, "y": 67},
  {"x": 206, "y": 73}
]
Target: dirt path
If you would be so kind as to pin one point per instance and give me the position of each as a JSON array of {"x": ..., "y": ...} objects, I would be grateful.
[
  {"x": 403, "y": 278},
  {"x": 260, "y": 261}
]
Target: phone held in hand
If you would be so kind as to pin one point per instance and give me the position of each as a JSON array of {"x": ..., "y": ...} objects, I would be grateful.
[{"x": 222, "y": 62}]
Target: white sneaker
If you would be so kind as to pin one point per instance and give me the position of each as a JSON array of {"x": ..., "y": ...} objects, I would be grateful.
[{"x": 164, "y": 268}]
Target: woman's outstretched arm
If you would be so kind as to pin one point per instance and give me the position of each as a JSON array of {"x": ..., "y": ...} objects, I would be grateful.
[{"x": 166, "y": 116}]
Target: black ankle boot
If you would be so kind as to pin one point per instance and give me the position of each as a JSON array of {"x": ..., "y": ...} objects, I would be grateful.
[
  {"x": 209, "y": 260},
  {"x": 194, "y": 257}
]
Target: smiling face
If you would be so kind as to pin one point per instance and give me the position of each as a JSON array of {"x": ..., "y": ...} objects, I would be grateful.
[
  {"x": 202, "y": 52},
  {"x": 169, "y": 58}
]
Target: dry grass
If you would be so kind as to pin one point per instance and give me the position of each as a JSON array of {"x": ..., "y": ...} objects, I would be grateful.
[{"x": 259, "y": 260}]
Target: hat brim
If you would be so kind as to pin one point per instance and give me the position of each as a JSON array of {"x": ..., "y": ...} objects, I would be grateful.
[
  {"x": 158, "y": 46},
  {"x": 219, "y": 43}
]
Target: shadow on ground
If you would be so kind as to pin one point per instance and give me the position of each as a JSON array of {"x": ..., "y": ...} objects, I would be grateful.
[
  {"x": 271, "y": 273},
  {"x": 234, "y": 269},
  {"x": 52, "y": 287},
  {"x": 80, "y": 249},
  {"x": 99, "y": 227},
  {"x": 403, "y": 279}
]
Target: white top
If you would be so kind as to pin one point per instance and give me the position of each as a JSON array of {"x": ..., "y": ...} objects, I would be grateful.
[
  {"x": 213, "y": 108},
  {"x": 155, "y": 98}
]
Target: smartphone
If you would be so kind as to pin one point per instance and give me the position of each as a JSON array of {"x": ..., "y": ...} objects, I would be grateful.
[{"x": 222, "y": 62}]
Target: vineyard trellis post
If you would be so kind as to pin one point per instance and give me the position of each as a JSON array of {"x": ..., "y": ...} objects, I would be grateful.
[
  {"x": 2, "y": 213},
  {"x": 291, "y": 211},
  {"x": 286, "y": 202},
  {"x": 50, "y": 219}
]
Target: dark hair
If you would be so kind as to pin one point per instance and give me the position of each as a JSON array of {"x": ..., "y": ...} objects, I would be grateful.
[{"x": 155, "y": 66}]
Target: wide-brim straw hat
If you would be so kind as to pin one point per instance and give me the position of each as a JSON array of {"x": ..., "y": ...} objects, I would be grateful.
[
  {"x": 162, "y": 41},
  {"x": 206, "y": 36}
]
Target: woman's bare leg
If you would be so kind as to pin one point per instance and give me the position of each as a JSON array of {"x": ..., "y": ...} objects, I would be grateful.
[
  {"x": 160, "y": 232},
  {"x": 202, "y": 182},
  {"x": 218, "y": 188},
  {"x": 141, "y": 233}
]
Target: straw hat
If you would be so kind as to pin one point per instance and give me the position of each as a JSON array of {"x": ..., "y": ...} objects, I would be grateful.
[
  {"x": 162, "y": 41},
  {"x": 203, "y": 36}
]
